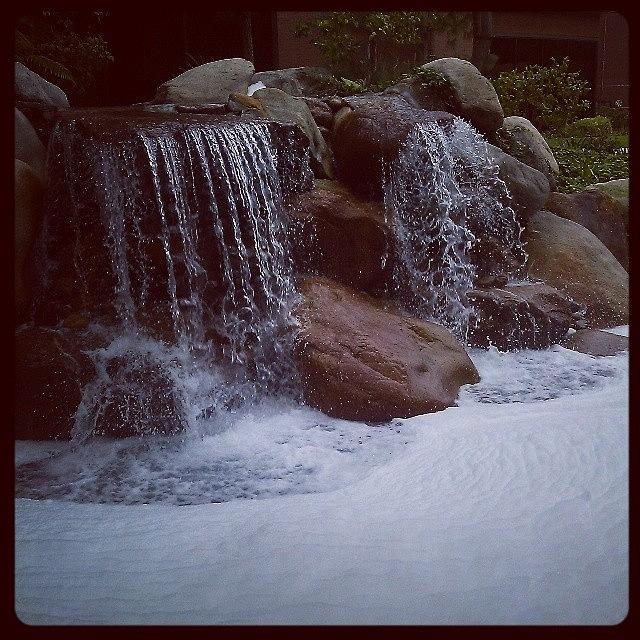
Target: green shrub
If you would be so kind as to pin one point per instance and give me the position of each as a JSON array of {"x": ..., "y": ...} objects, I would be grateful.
[
  {"x": 598, "y": 127},
  {"x": 618, "y": 115},
  {"x": 549, "y": 96},
  {"x": 582, "y": 165}
]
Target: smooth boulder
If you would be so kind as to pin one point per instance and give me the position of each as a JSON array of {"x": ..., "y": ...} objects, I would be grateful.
[
  {"x": 534, "y": 150},
  {"x": 281, "y": 107},
  {"x": 28, "y": 201},
  {"x": 529, "y": 188},
  {"x": 33, "y": 88},
  {"x": 212, "y": 82},
  {"x": 368, "y": 133},
  {"x": 618, "y": 189},
  {"x": 28, "y": 147},
  {"x": 336, "y": 234},
  {"x": 51, "y": 372},
  {"x": 475, "y": 97},
  {"x": 521, "y": 316},
  {"x": 567, "y": 256},
  {"x": 598, "y": 212},
  {"x": 360, "y": 361}
]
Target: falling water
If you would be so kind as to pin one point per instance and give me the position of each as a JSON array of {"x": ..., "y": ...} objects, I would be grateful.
[
  {"x": 179, "y": 241},
  {"x": 439, "y": 191}
]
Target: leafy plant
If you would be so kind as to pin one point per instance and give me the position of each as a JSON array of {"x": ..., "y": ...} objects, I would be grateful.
[
  {"x": 582, "y": 165},
  {"x": 549, "y": 96},
  {"x": 353, "y": 42},
  {"x": 596, "y": 128},
  {"x": 64, "y": 47}
]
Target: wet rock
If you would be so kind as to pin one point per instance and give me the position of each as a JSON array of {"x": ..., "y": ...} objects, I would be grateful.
[
  {"x": 567, "y": 256},
  {"x": 320, "y": 111},
  {"x": 596, "y": 343},
  {"x": 534, "y": 149},
  {"x": 208, "y": 83},
  {"x": 529, "y": 188},
  {"x": 50, "y": 373},
  {"x": 281, "y": 107},
  {"x": 475, "y": 98},
  {"x": 138, "y": 399},
  {"x": 600, "y": 213},
  {"x": 523, "y": 316},
  {"x": 370, "y": 135},
  {"x": 28, "y": 203},
  {"x": 336, "y": 234},
  {"x": 360, "y": 361},
  {"x": 28, "y": 147}
]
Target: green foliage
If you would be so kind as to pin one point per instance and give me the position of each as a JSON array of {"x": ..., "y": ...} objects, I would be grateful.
[
  {"x": 64, "y": 47},
  {"x": 618, "y": 115},
  {"x": 548, "y": 96},
  {"x": 352, "y": 41},
  {"x": 582, "y": 164},
  {"x": 597, "y": 128}
]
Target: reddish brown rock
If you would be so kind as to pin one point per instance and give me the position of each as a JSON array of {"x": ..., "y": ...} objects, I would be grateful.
[
  {"x": 596, "y": 343},
  {"x": 361, "y": 361},
  {"x": 370, "y": 135},
  {"x": 50, "y": 374},
  {"x": 336, "y": 234},
  {"x": 527, "y": 316},
  {"x": 597, "y": 211}
]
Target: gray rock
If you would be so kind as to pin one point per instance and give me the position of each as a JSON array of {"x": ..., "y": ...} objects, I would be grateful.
[
  {"x": 618, "y": 189},
  {"x": 596, "y": 343},
  {"x": 281, "y": 107},
  {"x": 535, "y": 150},
  {"x": 475, "y": 97},
  {"x": 30, "y": 87},
  {"x": 299, "y": 81},
  {"x": 528, "y": 187},
  {"x": 208, "y": 83},
  {"x": 28, "y": 147},
  {"x": 569, "y": 257}
]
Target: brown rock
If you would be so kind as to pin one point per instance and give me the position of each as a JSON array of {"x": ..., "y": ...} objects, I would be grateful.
[
  {"x": 28, "y": 202},
  {"x": 524, "y": 316},
  {"x": 567, "y": 256},
  {"x": 360, "y": 361},
  {"x": 596, "y": 343},
  {"x": 372, "y": 134},
  {"x": 50, "y": 374},
  {"x": 336, "y": 234},
  {"x": 600, "y": 213}
]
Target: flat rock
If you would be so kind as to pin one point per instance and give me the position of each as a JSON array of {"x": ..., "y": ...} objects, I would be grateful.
[{"x": 596, "y": 343}]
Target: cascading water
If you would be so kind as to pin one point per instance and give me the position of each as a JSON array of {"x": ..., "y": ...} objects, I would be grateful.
[
  {"x": 440, "y": 192},
  {"x": 179, "y": 248}
]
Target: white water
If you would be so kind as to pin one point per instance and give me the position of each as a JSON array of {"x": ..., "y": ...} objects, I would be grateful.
[
  {"x": 440, "y": 192},
  {"x": 509, "y": 508}
]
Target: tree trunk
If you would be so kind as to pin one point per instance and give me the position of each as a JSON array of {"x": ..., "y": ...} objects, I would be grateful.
[
  {"x": 482, "y": 33},
  {"x": 247, "y": 36}
]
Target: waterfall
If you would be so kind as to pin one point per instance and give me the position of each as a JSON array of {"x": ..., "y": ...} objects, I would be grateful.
[
  {"x": 176, "y": 237},
  {"x": 441, "y": 193}
]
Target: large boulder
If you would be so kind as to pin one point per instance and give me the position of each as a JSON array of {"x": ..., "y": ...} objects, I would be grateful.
[
  {"x": 50, "y": 374},
  {"x": 618, "y": 189},
  {"x": 475, "y": 97},
  {"x": 281, "y": 107},
  {"x": 529, "y": 188},
  {"x": 533, "y": 148},
  {"x": 596, "y": 343},
  {"x": 522, "y": 316},
  {"x": 336, "y": 234},
  {"x": 39, "y": 100},
  {"x": 28, "y": 201},
  {"x": 208, "y": 83},
  {"x": 567, "y": 256},
  {"x": 32, "y": 88},
  {"x": 369, "y": 132},
  {"x": 360, "y": 361},
  {"x": 28, "y": 147},
  {"x": 598, "y": 212},
  {"x": 299, "y": 81}
]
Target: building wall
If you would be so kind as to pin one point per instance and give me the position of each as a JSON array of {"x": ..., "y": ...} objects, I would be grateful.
[{"x": 613, "y": 60}]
